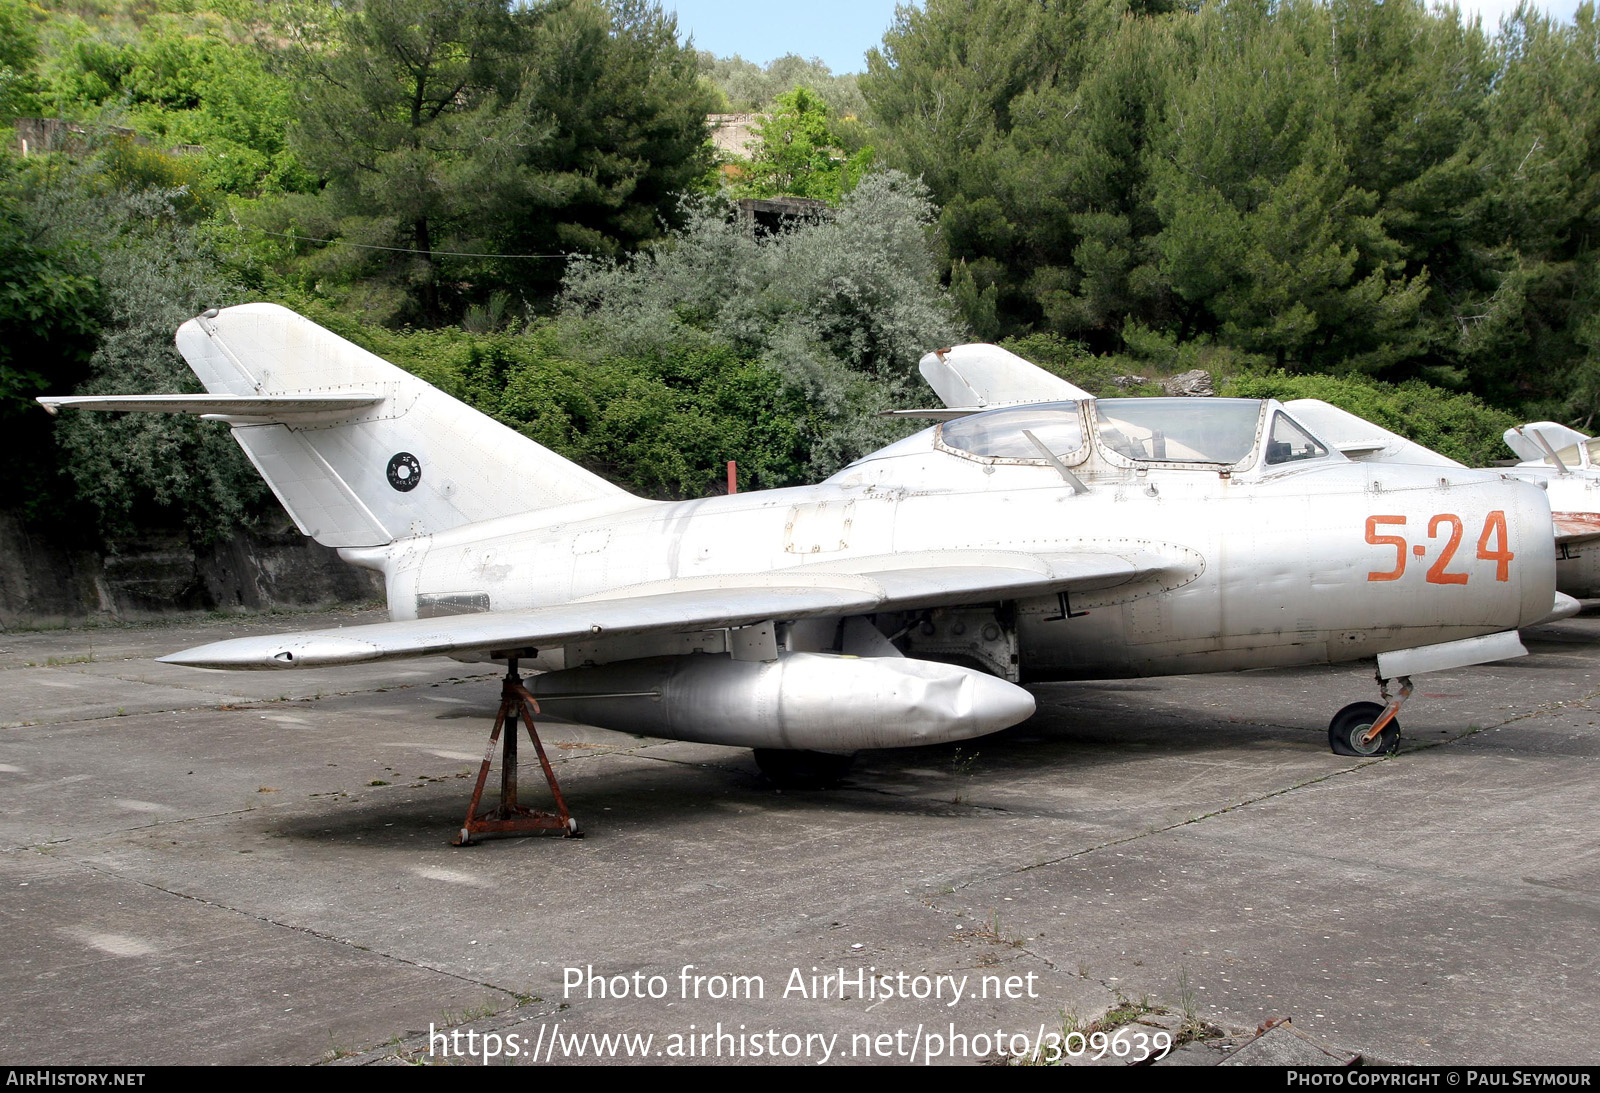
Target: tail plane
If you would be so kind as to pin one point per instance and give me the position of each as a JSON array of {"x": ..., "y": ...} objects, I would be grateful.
[{"x": 361, "y": 453}]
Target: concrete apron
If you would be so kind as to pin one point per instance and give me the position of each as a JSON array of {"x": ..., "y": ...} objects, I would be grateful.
[{"x": 243, "y": 868}]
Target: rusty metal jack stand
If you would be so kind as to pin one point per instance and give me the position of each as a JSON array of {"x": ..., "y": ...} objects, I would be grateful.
[{"x": 509, "y": 818}]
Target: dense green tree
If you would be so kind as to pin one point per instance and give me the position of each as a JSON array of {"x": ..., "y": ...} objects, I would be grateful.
[
  {"x": 1345, "y": 185},
  {"x": 19, "y": 56},
  {"x": 98, "y": 276},
  {"x": 405, "y": 113},
  {"x": 1263, "y": 229},
  {"x": 480, "y": 144},
  {"x": 187, "y": 77},
  {"x": 805, "y": 151},
  {"x": 155, "y": 271},
  {"x": 841, "y": 308},
  {"x": 746, "y": 86},
  {"x": 1526, "y": 322},
  {"x": 49, "y": 321},
  {"x": 622, "y": 111}
]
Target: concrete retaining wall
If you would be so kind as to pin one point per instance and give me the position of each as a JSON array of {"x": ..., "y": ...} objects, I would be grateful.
[{"x": 43, "y": 583}]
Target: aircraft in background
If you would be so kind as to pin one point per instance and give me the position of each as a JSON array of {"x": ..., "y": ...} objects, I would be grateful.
[
  {"x": 1564, "y": 462},
  {"x": 907, "y": 599}
]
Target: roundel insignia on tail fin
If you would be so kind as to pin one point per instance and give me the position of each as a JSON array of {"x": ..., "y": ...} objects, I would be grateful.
[{"x": 404, "y": 472}]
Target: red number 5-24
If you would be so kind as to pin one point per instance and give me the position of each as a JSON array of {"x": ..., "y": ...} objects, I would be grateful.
[{"x": 1494, "y": 529}]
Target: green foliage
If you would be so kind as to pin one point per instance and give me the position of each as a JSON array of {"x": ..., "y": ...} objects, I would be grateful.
[
  {"x": 841, "y": 308},
  {"x": 49, "y": 320},
  {"x": 99, "y": 275},
  {"x": 155, "y": 272},
  {"x": 748, "y": 87},
  {"x": 1457, "y": 425},
  {"x": 19, "y": 54},
  {"x": 662, "y": 424},
  {"x": 627, "y": 110},
  {"x": 1351, "y": 186},
  {"x": 49, "y": 303},
  {"x": 1264, "y": 227},
  {"x": 405, "y": 115},
  {"x": 452, "y": 133},
  {"x": 124, "y": 165},
  {"x": 180, "y": 76},
  {"x": 804, "y": 152}
]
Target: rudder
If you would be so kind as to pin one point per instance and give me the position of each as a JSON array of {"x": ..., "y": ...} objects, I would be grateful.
[{"x": 415, "y": 463}]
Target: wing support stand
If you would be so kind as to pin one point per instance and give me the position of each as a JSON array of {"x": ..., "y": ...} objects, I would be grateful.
[{"x": 509, "y": 818}]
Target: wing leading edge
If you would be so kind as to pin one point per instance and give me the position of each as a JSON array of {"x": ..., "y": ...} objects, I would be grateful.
[{"x": 868, "y": 585}]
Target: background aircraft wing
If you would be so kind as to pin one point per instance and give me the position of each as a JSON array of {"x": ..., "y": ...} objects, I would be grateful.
[
  {"x": 858, "y": 587},
  {"x": 1575, "y": 527}
]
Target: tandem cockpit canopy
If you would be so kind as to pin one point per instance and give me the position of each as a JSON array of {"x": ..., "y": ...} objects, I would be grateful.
[{"x": 1216, "y": 433}]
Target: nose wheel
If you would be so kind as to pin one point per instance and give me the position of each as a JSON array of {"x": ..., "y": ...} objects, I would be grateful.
[{"x": 1365, "y": 729}]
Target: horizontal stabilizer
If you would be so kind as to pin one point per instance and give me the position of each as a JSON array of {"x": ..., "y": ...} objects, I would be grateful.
[
  {"x": 862, "y": 586},
  {"x": 255, "y": 407}
]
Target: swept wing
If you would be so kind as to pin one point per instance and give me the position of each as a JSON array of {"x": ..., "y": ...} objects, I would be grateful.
[{"x": 867, "y": 585}]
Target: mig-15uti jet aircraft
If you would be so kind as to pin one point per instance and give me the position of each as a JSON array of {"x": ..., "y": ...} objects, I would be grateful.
[
  {"x": 1566, "y": 463},
  {"x": 905, "y": 600}
]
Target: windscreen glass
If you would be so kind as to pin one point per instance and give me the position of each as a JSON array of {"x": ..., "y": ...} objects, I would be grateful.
[
  {"x": 1179, "y": 430},
  {"x": 1571, "y": 458},
  {"x": 1288, "y": 443},
  {"x": 1004, "y": 434}
]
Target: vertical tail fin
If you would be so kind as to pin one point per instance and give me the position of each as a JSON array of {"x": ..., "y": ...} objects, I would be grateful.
[{"x": 414, "y": 463}]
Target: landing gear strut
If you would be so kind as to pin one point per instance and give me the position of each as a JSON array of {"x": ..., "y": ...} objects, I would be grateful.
[
  {"x": 509, "y": 818},
  {"x": 1369, "y": 728}
]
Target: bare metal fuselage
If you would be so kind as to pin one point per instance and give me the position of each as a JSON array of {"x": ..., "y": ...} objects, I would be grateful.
[{"x": 1327, "y": 562}]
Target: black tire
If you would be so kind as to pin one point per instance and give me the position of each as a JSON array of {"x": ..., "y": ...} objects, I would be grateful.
[
  {"x": 802, "y": 769},
  {"x": 1350, "y": 724}
]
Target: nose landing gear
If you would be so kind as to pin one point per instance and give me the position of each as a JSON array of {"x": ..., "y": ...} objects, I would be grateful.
[{"x": 1369, "y": 728}]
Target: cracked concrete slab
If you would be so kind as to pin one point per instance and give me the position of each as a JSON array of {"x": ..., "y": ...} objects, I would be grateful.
[{"x": 245, "y": 879}]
